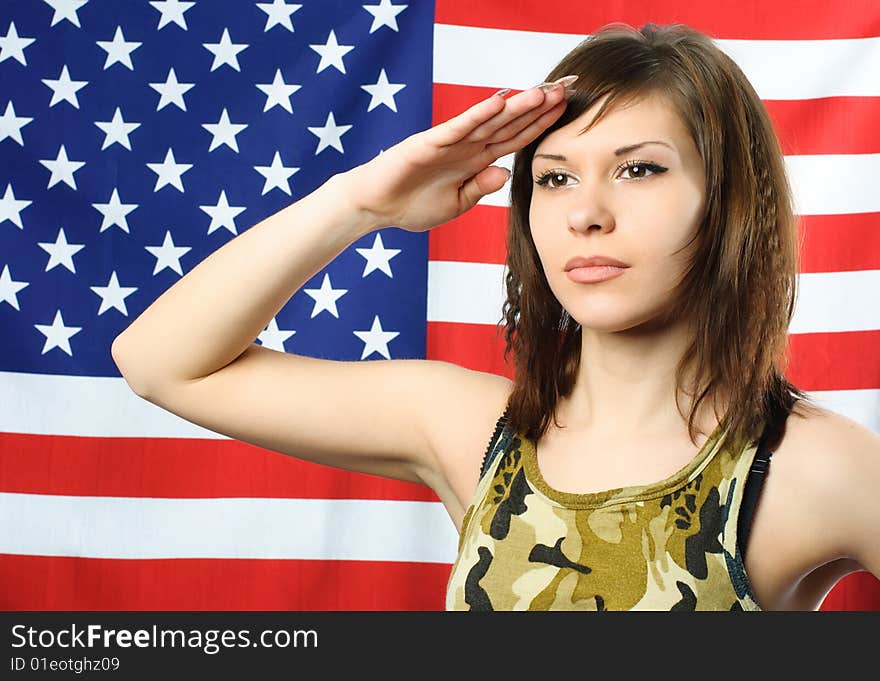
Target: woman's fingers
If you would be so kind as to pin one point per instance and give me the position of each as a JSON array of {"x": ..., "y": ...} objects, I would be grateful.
[
  {"x": 486, "y": 181},
  {"x": 522, "y": 138},
  {"x": 517, "y": 125},
  {"x": 484, "y": 118},
  {"x": 521, "y": 104},
  {"x": 460, "y": 126}
]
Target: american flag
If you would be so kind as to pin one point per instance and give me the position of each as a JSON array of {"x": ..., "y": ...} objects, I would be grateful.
[{"x": 137, "y": 137}]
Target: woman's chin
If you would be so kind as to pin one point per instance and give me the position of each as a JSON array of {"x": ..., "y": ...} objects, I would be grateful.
[{"x": 615, "y": 322}]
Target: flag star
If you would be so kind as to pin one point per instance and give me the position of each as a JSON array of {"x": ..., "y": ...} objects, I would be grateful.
[
  {"x": 383, "y": 92},
  {"x": 12, "y": 45},
  {"x": 118, "y": 50},
  {"x": 60, "y": 252},
  {"x": 172, "y": 10},
  {"x": 57, "y": 335},
  {"x": 330, "y": 135},
  {"x": 278, "y": 14},
  {"x": 62, "y": 169},
  {"x": 272, "y": 337},
  {"x": 113, "y": 295},
  {"x": 224, "y": 132},
  {"x": 168, "y": 255},
  {"x": 378, "y": 257},
  {"x": 171, "y": 91},
  {"x": 66, "y": 9},
  {"x": 9, "y": 288},
  {"x": 325, "y": 297},
  {"x": 225, "y": 52},
  {"x": 384, "y": 14},
  {"x": 223, "y": 215},
  {"x": 278, "y": 92},
  {"x": 114, "y": 212},
  {"x": 116, "y": 130},
  {"x": 64, "y": 88},
  {"x": 331, "y": 53},
  {"x": 376, "y": 339},
  {"x": 10, "y": 207},
  {"x": 276, "y": 175},
  {"x": 169, "y": 171},
  {"x": 11, "y": 125}
]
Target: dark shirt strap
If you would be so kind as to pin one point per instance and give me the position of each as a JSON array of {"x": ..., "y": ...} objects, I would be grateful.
[
  {"x": 492, "y": 449},
  {"x": 770, "y": 439}
]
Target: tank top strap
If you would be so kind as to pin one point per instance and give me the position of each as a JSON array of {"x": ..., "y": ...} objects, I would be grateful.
[
  {"x": 770, "y": 438},
  {"x": 497, "y": 442}
]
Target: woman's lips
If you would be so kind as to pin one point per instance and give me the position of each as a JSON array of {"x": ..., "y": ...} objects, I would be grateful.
[{"x": 592, "y": 275}]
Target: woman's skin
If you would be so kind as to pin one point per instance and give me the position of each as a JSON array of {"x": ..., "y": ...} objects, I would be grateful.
[{"x": 645, "y": 217}]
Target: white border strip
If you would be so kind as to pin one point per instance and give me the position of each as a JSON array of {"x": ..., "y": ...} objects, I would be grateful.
[
  {"x": 821, "y": 184},
  {"x": 473, "y": 293},
  {"x": 300, "y": 529},
  {"x": 778, "y": 69}
]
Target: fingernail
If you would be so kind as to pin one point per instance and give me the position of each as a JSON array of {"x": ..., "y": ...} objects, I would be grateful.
[
  {"x": 564, "y": 82},
  {"x": 501, "y": 93},
  {"x": 569, "y": 92}
]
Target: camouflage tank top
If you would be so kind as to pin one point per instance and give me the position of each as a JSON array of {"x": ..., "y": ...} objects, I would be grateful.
[{"x": 671, "y": 545}]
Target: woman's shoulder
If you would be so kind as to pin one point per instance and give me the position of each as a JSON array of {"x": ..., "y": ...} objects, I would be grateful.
[
  {"x": 827, "y": 470},
  {"x": 826, "y": 443},
  {"x": 817, "y": 514}
]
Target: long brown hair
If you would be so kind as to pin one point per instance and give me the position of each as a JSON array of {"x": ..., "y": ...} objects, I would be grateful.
[{"x": 740, "y": 288}]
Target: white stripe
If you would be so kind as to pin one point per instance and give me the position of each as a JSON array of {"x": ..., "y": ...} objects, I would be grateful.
[
  {"x": 465, "y": 292},
  {"x": 86, "y": 406},
  {"x": 837, "y": 301},
  {"x": 487, "y": 57},
  {"x": 862, "y": 406},
  {"x": 112, "y": 410},
  {"x": 305, "y": 529},
  {"x": 821, "y": 184},
  {"x": 473, "y": 293},
  {"x": 834, "y": 184}
]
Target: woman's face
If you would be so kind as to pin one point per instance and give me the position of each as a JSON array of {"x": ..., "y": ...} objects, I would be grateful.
[{"x": 588, "y": 203}]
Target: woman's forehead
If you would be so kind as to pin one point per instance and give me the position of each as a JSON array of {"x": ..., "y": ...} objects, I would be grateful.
[{"x": 625, "y": 123}]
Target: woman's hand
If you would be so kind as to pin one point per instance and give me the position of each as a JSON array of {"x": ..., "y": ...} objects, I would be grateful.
[{"x": 436, "y": 175}]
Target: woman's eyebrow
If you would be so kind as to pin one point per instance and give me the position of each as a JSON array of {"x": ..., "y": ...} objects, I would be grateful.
[{"x": 617, "y": 152}]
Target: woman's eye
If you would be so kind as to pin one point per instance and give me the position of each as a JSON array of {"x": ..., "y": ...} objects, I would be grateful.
[
  {"x": 550, "y": 178},
  {"x": 641, "y": 168}
]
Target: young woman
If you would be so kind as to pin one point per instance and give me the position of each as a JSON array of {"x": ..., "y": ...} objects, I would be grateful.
[{"x": 648, "y": 382}]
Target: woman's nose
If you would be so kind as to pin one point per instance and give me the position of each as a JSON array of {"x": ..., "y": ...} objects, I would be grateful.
[
  {"x": 582, "y": 220},
  {"x": 589, "y": 208}
]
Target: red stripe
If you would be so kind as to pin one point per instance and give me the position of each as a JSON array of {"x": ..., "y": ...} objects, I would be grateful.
[
  {"x": 731, "y": 19},
  {"x": 830, "y": 125},
  {"x": 830, "y": 243},
  {"x": 474, "y": 346},
  {"x": 834, "y": 361},
  {"x": 817, "y": 361},
  {"x": 61, "y": 583},
  {"x": 857, "y": 591},
  {"x": 841, "y": 243},
  {"x": 180, "y": 468},
  {"x": 86, "y": 584},
  {"x": 479, "y": 235}
]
